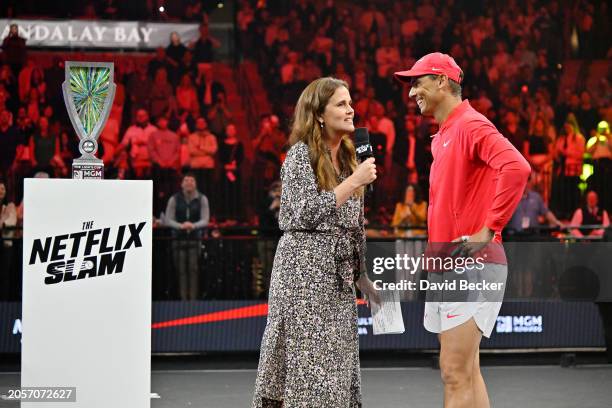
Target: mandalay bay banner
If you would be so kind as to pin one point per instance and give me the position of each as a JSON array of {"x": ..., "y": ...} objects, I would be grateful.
[{"x": 99, "y": 33}]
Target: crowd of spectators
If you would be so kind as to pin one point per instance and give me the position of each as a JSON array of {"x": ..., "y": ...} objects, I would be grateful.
[
  {"x": 512, "y": 55},
  {"x": 171, "y": 115},
  {"x": 168, "y": 116}
]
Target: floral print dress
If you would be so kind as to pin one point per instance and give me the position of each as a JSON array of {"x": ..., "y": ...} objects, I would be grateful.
[{"x": 310, "y": 348}]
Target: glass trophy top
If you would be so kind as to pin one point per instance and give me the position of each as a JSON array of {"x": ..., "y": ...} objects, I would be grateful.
[{"x": 89, "y": 90}]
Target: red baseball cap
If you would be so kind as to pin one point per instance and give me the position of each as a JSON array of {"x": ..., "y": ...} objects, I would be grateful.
[{"x": 435, "y": 63}]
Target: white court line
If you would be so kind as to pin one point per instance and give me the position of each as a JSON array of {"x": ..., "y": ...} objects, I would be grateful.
[
  {"x": 248, "y": 370},
  {"x": 378, "y": 369}
]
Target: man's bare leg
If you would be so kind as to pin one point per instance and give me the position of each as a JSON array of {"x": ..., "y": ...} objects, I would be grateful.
[
  {"x": 481, "y": 398},
  {"x": 458, "y": 348}
]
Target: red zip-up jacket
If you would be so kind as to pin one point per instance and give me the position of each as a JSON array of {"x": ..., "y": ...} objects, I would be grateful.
[{"x": 477, "y": 178}]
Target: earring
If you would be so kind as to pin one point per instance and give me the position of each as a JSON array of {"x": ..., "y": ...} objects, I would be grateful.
[{"x": 321, "y": 125}]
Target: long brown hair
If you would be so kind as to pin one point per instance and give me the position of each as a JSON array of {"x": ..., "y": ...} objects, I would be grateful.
[{"x": 306, "y": 128}]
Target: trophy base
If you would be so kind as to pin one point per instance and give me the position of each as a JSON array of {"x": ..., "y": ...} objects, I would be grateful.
[{"x": 90, "y": 170}]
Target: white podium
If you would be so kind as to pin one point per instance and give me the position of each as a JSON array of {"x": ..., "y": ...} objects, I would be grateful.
[{"x": 87, "y": 250}]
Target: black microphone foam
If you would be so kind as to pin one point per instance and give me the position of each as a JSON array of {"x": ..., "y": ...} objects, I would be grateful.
[{"x": 363, "y": 148}]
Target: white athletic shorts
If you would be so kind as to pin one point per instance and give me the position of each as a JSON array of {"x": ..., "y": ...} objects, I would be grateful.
[{"x": 440, "y": 316}]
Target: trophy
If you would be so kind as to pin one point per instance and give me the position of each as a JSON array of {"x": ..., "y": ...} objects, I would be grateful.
[{"x": 89, "y": 91}]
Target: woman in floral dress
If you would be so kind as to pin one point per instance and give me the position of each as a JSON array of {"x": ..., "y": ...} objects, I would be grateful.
[{"x": 310, "y": 349}]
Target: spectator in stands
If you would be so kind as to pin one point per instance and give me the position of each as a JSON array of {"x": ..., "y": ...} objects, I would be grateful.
[
  {"x": 269, "y": 145},
  {"x": 8, "y": 81},
  {"x": 570, "y": 104},
  {"x": 203, "y": 148},
  {"x": 136, "y": 141},
  {"x": 244, "y": 21},
  {"x": 385, "y": 126},
  {"x": 54, "y": 78},
  {"x": 24, "y": 80},
  {"x": 203, "y": 48},
  {"x": 544, "y": 75},
  {"x": 321, "y": 47},
  {"x": 37, "y": 81},
  {"x": 8, "y": 220},
  {"x": 482, "y": 104},
  {"x": 409, "y": 28},
  {"x": 109, "y": 10},
  {"x": 602, "y": 95},
  {"x": 175, "y": 52},
  {"x": 219, "y": 116},
  {"x": 310, "y": 71},
  {"x": 187, "y": 66},
  {"x": 187, "y": 96},
  {"x": 477, "y": 77},
  {"x": 9, "y": 140},
  {"x": 22, "y": 164},
  {"x": 14, "y": 49},
  {"x": 61, "y": 161},
  {"x": 410, "y": 212},
  {"x": 159, "y": 61},
  {"x": 537, "y": 149},
  {"x": 360, "y": 78},
  {"x": 342, "y": 74},
  {"x": 44, "y": 146},
  {"x": 231, "y": 154},
  {"x": 5, "y": 98},
  {"x": 272, "y": 31},
  {"x": 33, "y": 104},
  {"x": 194, "y": 12},
  {"x": 89, "y": 12},
  {"x": 408, "y": 152},
  {"x": 540, "y": 107},
  {"x": 268, "y": 210},
  {"x": 366, "y": 107},
  {"x": 387, "y": 57},
  {"x": 590, "y": 214},
  {"x": 24, "y": 124},
  {"x": 139, "y": 87},
  {"x": 372, "y": 20},
  {"x": 162, "y": 94},
  {"x": 292, "y": 71},
  {"x": 569, "y": 150},
  {"x": 305, "y": 10},
  {"x": 49, "y": 113},
  {"x": 585, "y": 31},
  {"x": 119, "y": 167},
  {"x": 599, "y": 147},
  {"x": 165, "y": 151},
  {"x": 188, "y": 213},
  {"x": 69, "y": 147},
  {"x": 587, "y": 114},
  {"x": 513, "y": 131},
  {"x": 426, "y": 12},
  {"x": 8, "y": 211},
  {"x": 341, "y": 56},
  {"x": 531, "y": 211},
  {"x": 208, "y": 88}
]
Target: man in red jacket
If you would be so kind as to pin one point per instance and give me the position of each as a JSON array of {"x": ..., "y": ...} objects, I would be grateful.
[{"x": 476, "y": 181}]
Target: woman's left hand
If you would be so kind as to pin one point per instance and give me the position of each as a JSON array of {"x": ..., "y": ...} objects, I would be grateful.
[{"x": 366, "y": 287}]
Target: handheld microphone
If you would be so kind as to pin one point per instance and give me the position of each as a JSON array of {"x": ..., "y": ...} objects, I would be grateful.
[{"x": 363, "y": 148}]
